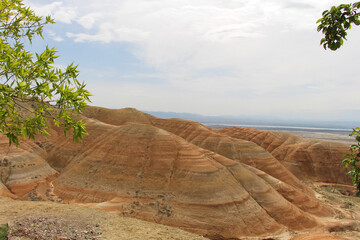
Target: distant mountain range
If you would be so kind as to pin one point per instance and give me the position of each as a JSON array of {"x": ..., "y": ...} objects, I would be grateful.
[{"x": 260, "y": 122}]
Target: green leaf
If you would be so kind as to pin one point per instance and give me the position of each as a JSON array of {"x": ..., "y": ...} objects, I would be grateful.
[{"x": 320, "y": 20}]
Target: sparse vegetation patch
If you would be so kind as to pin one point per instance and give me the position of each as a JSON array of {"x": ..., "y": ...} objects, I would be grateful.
[{"x": 4, "y": 231}]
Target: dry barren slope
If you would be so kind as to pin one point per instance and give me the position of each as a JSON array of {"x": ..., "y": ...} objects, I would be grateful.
[
  {"x": 24, "y": 168},
  {"x": 309, "y": 160},
  {"x": 239, "y": 150},
  {"x": 111, "y": 226}
]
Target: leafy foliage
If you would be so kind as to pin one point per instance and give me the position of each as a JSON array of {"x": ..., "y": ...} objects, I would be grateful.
[
  {"x": 335, "y": 23},
  {"x": 4, "y": 232},
  {"x": 353, "y": 158},
  {"x": 32, "y": 89}
]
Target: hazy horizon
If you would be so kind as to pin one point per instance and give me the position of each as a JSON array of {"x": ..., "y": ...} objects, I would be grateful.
[{"x": 262, "y": 121}]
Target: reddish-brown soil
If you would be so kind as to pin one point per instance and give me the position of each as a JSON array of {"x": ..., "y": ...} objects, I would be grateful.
[{"x": 309, "y": 160}]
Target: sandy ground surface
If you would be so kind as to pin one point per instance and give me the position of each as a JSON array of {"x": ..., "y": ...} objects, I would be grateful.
[
  {"x": 346, "y": 205},
  {"x": 111, "y": 226}
]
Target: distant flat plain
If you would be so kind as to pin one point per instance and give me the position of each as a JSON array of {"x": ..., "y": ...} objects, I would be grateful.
[
  {"x": 342, "y": 137},
  {"x": 325, "y": 134}
]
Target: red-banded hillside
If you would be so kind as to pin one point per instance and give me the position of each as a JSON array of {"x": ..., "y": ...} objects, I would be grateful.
[
  {"x": 309, "y": 160},
  {"x": 242, "y": 151},
  {"x": 23, "y": 169}
]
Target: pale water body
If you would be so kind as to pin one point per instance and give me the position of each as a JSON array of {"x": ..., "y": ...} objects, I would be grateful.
[
  {"x": 340, "y": 135},
  {"x": 273, "y": 127}
]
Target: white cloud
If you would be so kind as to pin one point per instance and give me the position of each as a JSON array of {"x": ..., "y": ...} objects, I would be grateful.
[
  {"x": 108, "y": 34},
  {"x": 170, "y": 32},
  {"x": 43, "y": 10},
  {"x": 61, "y": 13},
  {"x": 54, "y": 36},
  {"x": 89, "y": 20},
  {"x": 65, "y": 15}
]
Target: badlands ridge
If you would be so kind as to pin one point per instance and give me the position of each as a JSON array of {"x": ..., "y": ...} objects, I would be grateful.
[{"x": 231, "y": 183}]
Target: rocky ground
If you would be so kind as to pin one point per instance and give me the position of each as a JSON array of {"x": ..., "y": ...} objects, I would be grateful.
[
  {"x": 43, "y": 227},
  {"x": 48, "y": 220}
]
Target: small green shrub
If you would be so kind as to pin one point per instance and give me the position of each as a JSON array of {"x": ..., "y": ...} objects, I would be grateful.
[
  {"x": 4, "y": 231},
  {"x": 352, "y": 160}
]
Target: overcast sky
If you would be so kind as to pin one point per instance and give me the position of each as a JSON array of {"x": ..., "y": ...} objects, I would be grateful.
[{"x": 211, "y": 57}]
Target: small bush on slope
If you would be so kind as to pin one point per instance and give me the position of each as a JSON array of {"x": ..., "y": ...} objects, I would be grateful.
[{"x": 4, "y": 231}]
